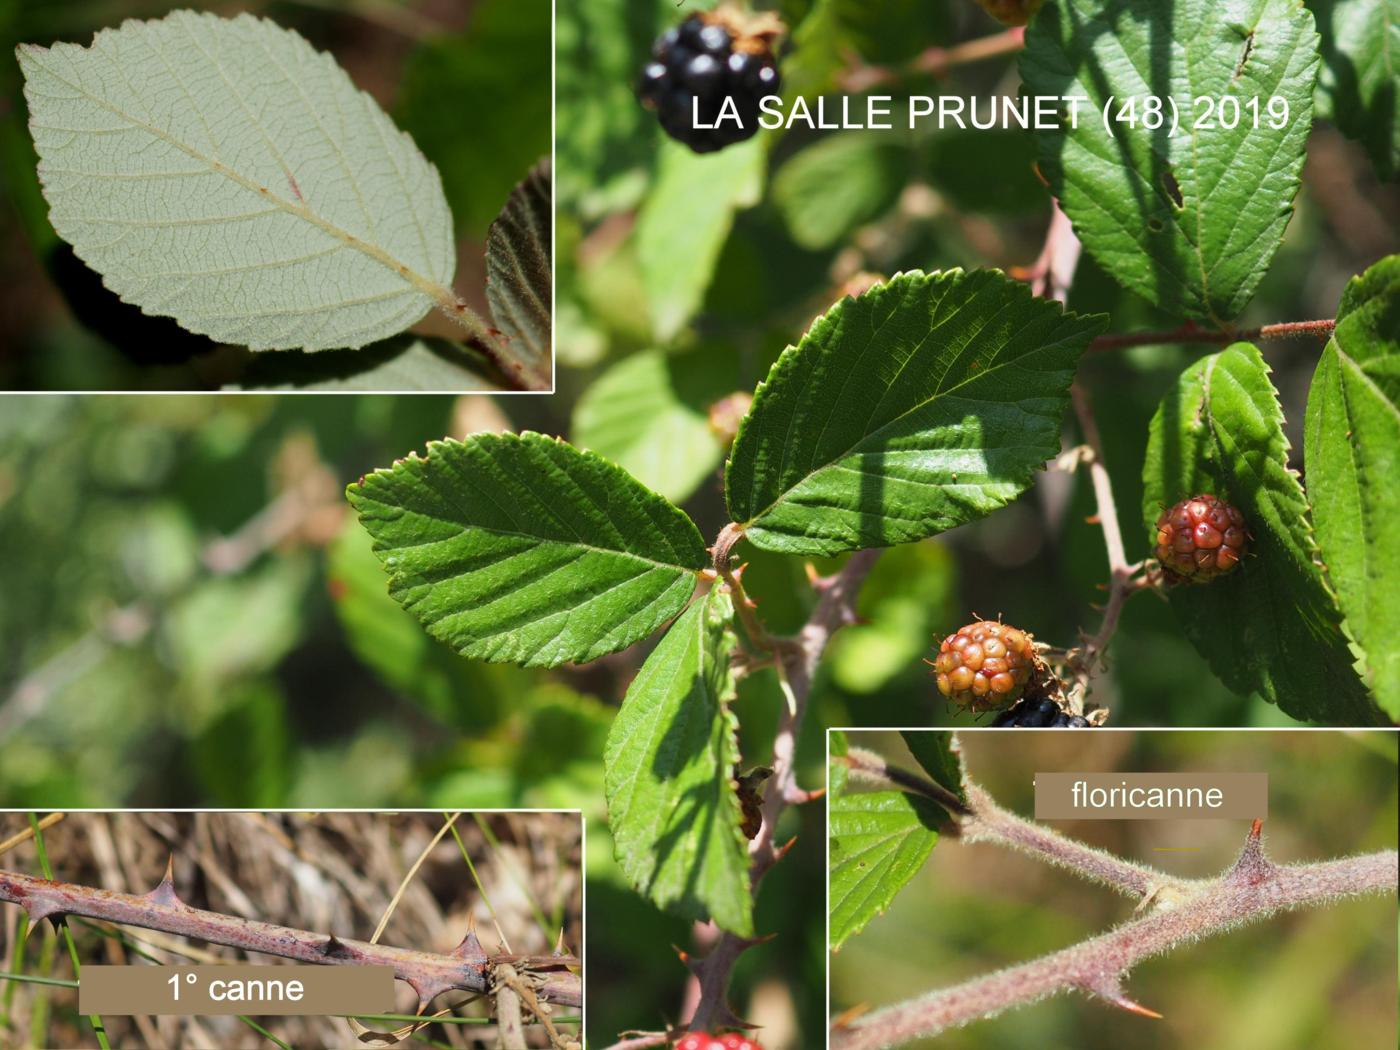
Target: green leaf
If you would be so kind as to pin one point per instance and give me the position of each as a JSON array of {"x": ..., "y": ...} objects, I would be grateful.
[
  {"x": 1189, "y": 220},
  {"x": 522, "y": 549},
  {"x": 1351, "y": 447},
  {"x": 838, "y": 184},
  {"x": 519, "y": 271},
  {"x": 669, "y": 769},
  {"x": 684, "y": 222},
  {"x": 496, "y": 79},
  {"x": 402, "y": 364},
  {"x": 223, "y": 173},
  {"x": 878, "y": 842},
  {"x": 1271, "y": 626},
  {"x": 837, "y": 773},
  {"x": 933, "y": 750},
  {"x": 648, "y": 413},
  {"x": 1358, "y": 86},
  {"x": 924, "y": 404}
]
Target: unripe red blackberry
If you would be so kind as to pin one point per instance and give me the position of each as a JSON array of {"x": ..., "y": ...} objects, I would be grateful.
[
  {"x": 985, "y": 664},
  {"x": 737, "y": 1041},
  {"x": 1010, "y": 12},
  {"x": 694, "y": 1041},
  {"x": 698, "y": 65},
  {"x": 1199, "y": 539}
]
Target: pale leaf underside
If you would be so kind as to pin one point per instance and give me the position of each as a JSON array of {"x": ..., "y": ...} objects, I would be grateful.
[{"x": 224, "y": 173}]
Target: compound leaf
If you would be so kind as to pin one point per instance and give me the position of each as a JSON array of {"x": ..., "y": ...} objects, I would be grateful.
[
  {"x": 1351, "y": 446},
  {"x": 921, "y": 405},
  {"x": 669, "y": 775},
  {"x": 1271, "y": 626},
  {"x": 1358, "y": 86},
  {"x": 878, "y": 841},
  {"x": 224, "y": 173},
  {"x": 519, "y": 271},
  {"x": 523, "y": 549},
  {"x": 1188, "y": 217}
]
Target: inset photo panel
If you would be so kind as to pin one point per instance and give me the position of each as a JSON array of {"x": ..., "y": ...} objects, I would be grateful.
[
  {"x": 189, "y": 930},
  {"x": 286, "y": 196},
  {"x": 992, "y": 889}
]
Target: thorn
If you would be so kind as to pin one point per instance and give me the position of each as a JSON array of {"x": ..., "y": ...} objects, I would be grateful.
[
  {"x": 334, "y": 949},
  {"x": 844, "y": 1019},
  {"x": 1253, "y": 867},
  {"x": 560, "y": 948},
  {"x": 779, "y": 852},
  {"x": 1110, "y": 990},
  {"x": 164, "y": 893},
  {"x": 38, "y": 911},
  {"x": 813, "y": 577},
  {"x": 470, "y": 948}
]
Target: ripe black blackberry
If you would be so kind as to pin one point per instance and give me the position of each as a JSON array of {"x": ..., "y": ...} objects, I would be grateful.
[
  {"x": 699, "y": 64},
  {"x": 1035, "y": 713}
]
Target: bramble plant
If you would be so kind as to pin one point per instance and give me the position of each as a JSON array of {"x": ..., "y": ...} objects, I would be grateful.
[
  {"x": 880, "y": 839},
  {"x": 224, "y": 173},
  {"x": 912, "y": 406}
]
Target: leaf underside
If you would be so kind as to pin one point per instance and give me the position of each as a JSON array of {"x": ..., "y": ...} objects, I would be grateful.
[
  {"x": 668, "y": 771},
  {"x": 1189, "y": 220},
  {"x": 224, "y": 173},
  {"x": 924, "y": 404},
  {"x": 519, "y": 271},
  {"x": 1272, "y": 626},
  {"x": 879, "y": 840},
  {"x": 523, "y": 549},
  {"x": 1352, "y": 451}
]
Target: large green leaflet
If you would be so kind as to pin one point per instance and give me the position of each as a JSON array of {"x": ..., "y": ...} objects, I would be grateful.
[
  {"x": 669, "y": 774},
  {"x": 924, "y": 404},
  {"x": 523, "y": 549},
  {"x": 878, "y": 841},
  {"x": 1190, "y": 220},
  {"x": 1359, "y": 82},
  {"x": 224, "y": 173},
  {"x": 1352, "y": 452},
  {"x": 1271, "y": 626}
]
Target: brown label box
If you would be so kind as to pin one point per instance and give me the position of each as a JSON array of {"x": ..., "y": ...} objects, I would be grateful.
[
  {"x": 236, "y": 989},
  {"x": 1151, "y": 796}
]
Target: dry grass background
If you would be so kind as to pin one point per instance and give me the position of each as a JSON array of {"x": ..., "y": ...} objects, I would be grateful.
[{"x": 328, "y": 872}]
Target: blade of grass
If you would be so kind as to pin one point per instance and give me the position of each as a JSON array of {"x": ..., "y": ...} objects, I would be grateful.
[
  {"x": 39, "y": 1012},
  {"x": 545, "y": 927},
  {"x": 262, "y": 1031},
  {"x": 398, "y": 894},
  {"x": 16, "y": 967},
  {"x": 34, "y": 978},
  {"x": 93, "y": 1019}
]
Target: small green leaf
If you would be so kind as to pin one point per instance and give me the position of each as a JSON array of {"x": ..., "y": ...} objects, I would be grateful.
[
  {"x": 224, "y": 173},
  {"x": 1352, "y": 450},
  {"x": 1189, "y": 219},
  {"x": 669, "y": 775},
  {"x": 1358, "y": 86},
  {"x": 878, "y": 841},
  {"x": 684, "y": 223},
  {"x": 1271, "y": 626},
  {"x": 841, "y": 182},
  {"x": 924, "y": 404},
  {"x": 648, "y": 413},
  {"x": 522, "y": 549},
  {"x": 933, "y": 749},
  {"x": 519, "y": 272}
]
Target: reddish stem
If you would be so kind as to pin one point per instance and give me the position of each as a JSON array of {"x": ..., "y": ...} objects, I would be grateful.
[{"x": 1190, "y": 333}]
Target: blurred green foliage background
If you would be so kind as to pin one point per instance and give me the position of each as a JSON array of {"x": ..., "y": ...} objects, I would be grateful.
[
  {"x": 1320, "y": 979},
  {"x": 469, "y": 80}
]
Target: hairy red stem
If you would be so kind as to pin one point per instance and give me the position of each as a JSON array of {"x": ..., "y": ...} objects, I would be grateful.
[{"x": 1190, "y": 333}]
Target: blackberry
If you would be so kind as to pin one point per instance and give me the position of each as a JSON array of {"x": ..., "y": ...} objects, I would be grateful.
[
  {"x": 700, "y": 64},
  {"x": 985, "y": 664},
  {"x": 1199, "y": 539},
  {"x": 1044, "y": 713},
  {"x": 737, "y": 1041}
]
